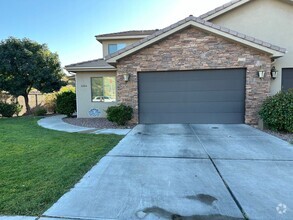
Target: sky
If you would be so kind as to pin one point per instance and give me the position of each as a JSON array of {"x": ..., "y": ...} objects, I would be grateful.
[{"x": 68, "y": 27}]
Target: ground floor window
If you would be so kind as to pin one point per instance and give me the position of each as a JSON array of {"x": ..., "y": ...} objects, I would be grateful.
[
  {"x": 103, "y": 89},
  {"x": 287, "y": 78}
]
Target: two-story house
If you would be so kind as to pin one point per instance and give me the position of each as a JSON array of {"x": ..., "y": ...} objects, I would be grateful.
[{"x": 212, "y": 69}]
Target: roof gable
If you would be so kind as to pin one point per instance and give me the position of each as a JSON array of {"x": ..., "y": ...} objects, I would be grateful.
[{"x": 275, "y": 51}]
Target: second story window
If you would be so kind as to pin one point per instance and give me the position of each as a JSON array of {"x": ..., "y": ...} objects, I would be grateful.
[{"x": 112, "y": 48}]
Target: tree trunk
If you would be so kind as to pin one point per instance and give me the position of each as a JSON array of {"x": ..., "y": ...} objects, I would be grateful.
[{"x": 27, "y": 107}]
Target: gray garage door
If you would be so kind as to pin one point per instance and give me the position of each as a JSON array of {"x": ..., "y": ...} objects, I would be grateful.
[
  {"x": 287, "y": 78},
  {"x": 204, "y": 96}
]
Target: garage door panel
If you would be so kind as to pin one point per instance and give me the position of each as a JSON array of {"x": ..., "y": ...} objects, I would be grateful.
[
  {"x": 205, "y": 96},
  {"x": 199, "y": 118},
  {"x": 203, "y": 107},
  {"x": 198, "y": 96},
  {"x": 200, "y": 85},
  {"x": 186, "y": 76}
]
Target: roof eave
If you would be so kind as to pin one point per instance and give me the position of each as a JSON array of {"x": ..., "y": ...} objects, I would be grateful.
[
  {"x": 224, "y": 10},
  {"x": 86, "y": 69},
  {"x": 274, "y": 53},
  {"x": 120, "y": 37}
]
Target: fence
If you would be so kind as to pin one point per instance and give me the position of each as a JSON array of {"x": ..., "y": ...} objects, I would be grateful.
[{"x": 36, "y": 99}]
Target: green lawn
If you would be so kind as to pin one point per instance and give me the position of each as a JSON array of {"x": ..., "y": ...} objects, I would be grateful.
[{"x": 37, "y": 165}]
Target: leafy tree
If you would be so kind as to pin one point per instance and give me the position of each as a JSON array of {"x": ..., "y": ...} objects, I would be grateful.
[{"x": 25, "y": 64}]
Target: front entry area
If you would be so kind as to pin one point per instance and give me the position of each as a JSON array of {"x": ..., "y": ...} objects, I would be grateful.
[{"x": 198, "y": 96}]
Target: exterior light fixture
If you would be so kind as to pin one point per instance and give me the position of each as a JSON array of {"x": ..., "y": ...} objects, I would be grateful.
[
  {"x": 274, "y": 72},
  {"x": 261, "y": 74},
  {"x": 126, "y": 77}
]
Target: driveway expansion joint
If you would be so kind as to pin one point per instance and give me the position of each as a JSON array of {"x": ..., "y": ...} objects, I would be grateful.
[
  {"x": 47, "y": 217},
  {"x": 159, "y": 157},
  {"x": 219, "y": 173},
  {"x": 243, "y": 159},
  {"x": 229, "y": 189}
]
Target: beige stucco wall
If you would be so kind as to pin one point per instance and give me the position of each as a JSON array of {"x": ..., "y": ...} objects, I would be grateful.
[
  {"x": 268, "y": 20},
  {"x": 105, "y": 44},
  {"x": 83, "y": 94}
]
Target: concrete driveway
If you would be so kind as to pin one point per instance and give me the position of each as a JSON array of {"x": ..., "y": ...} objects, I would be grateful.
[{"x": 187, "y": 172}]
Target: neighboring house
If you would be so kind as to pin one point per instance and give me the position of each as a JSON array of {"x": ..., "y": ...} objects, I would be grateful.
[{"x": 193, "y": 71}]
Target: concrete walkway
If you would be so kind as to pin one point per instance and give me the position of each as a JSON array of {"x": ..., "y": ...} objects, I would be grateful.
[
  {"x": 30, "y": 218},
  {"x": 56, "y": 123},
  {"x": 18, "y": 218},
  {"x": 186, "y": 172}
]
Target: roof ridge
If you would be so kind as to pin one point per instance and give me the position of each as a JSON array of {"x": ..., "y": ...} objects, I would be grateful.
[{"x": 74, "y": 64}]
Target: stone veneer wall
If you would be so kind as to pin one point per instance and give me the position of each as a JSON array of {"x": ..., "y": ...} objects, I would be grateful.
[{"x": 192, "y": 49}]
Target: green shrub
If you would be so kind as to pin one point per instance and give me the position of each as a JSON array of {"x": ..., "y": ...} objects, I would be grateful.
[
  {"x": 7, "y": 109},
  {"x": 50, "y": 98},
  {"x": 119, "y": 114},
  {"x": 40, "y": 111},
  {"x": 277, "y": 111},
  {"x": 66, "y": 103},
  {"x": 50, "y": 102}
]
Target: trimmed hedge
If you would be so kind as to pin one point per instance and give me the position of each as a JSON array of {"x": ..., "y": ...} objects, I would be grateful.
[
  {"x": 119, "y": 114},
  {"x": 66, "y": 103},
  {"x": 277, "y": 111}
]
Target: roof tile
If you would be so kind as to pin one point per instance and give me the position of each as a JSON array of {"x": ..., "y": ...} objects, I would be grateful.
[
  {"x": 249, "y": 38},
  {"x": 274, "y": 47},
  {"x": 224, "y": 29},
  {"x": 257, "y": 41},
  {"x": 266, "y": 44}
]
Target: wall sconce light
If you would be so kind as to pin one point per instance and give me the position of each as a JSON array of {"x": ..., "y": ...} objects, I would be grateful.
[
  {"x": 261, "y": 73},
  {"x": 126, "y": 77},
  {"x": 274, "y": 72}
]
